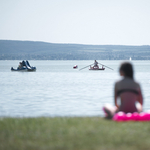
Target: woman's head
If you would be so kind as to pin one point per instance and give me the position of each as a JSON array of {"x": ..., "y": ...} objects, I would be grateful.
[{"x": 126, "y": 70}]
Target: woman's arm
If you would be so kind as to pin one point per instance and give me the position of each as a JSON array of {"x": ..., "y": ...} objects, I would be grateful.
[
  {"x": 140, "y": 97},
  {"x": 115, "y": 95}
]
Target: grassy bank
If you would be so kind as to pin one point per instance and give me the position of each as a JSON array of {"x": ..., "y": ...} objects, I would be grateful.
[{"x": 89, "y": 133}]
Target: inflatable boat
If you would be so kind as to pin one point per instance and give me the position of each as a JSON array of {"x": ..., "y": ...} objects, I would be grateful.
[{"x": 24, "y": 66}]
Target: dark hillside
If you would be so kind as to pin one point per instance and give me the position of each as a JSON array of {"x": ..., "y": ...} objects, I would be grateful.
[{"x": 10, "y": 50}]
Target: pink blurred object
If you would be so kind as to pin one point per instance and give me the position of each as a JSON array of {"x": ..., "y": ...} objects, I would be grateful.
[{"x": 121, "y": 116}]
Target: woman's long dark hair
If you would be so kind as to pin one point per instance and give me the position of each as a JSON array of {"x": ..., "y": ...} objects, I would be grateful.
[{"x": 127, "y": 69}]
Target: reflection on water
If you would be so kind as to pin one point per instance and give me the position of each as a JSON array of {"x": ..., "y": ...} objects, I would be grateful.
[{"x": 56, "y": 89}]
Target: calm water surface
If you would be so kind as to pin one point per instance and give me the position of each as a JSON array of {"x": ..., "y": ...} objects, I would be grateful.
[{"x": 56, "y": 89}]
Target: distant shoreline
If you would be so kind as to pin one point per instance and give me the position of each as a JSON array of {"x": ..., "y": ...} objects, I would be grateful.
[{"x": 31, "y": 50}]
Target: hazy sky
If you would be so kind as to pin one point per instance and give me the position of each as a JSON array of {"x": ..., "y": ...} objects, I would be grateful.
[{"x": 117, "y": 22}]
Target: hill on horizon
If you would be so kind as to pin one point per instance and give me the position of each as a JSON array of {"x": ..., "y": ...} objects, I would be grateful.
[{"x": 34, "y": 50}]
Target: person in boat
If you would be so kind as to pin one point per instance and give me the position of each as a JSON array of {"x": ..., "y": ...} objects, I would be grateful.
[
  {"x": 20, "y": 65},
  {"x": 96, "y": 64},
  {"x": 128, "y": 91}
]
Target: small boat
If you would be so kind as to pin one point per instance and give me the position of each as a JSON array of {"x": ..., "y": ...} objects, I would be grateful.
[
  {"x": 24, "y": 66},
  {"x": 96, "y": 68}
]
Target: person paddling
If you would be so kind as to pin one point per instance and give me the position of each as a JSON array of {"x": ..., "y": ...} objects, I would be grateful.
[{"x": 96, "y": 64}]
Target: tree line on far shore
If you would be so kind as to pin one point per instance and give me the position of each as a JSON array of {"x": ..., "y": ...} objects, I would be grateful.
[{"x": 19, "y": 50}]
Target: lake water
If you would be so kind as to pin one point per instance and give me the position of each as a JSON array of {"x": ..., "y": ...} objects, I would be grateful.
[{"x": 56, "y": 89}]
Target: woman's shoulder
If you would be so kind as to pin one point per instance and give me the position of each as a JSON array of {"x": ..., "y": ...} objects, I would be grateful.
[
  {"x": 127, "y": 81},
  {"x": 120, "y": 81}
]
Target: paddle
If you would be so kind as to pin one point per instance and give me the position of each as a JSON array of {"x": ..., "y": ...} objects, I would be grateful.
[
  {"x": 85, "y": 67},
  {"x": 106, "y": 66}
]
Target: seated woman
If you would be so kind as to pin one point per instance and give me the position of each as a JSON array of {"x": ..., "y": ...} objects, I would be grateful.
[{"x": 129, "y": 92}]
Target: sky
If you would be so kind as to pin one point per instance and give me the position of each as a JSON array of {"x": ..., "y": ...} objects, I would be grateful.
[{"x": 96, "y": 22}]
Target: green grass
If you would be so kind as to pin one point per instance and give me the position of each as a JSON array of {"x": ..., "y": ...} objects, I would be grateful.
[{"x": 76, "y": 133}]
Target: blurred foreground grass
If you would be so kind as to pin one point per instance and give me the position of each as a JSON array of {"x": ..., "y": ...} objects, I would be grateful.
[{"x": 76, "y": 133}]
